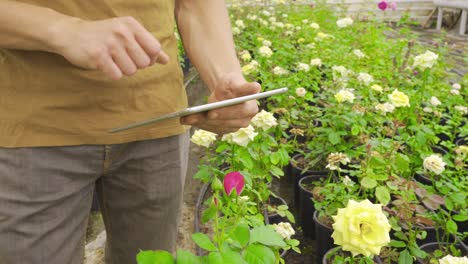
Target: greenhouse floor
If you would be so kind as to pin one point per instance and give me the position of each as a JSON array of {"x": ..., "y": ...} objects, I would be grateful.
[{"x": 458, "y": 59}]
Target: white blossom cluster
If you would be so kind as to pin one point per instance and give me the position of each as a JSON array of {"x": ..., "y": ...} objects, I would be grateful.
[{"x": 284, "y": 229}]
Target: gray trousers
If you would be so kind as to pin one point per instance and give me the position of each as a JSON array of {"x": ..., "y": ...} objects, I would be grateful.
[{"x": 46, "y": 195}]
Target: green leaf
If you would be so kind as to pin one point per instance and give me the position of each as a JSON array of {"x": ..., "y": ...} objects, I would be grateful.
[
  {"x": 355, "y": 130},
  {"x": 204, "y": 241},
  {"x": 155, "y": 257},
  {"x": 241, "y": 234},
  {"x": 186, "y": 257},
  {"x": 259, "y": 254},
  {"x": 203, "y": 174},
  {"x": 246, "y": 160},
  {"x": 460, "y": 218},
  {"x": 368, "y": 183},
  {"x": 451, "y": 226},
  {"x": 276, "y": 171},
  {"x": 334, "y": 138},
  {"x": 382, "y": 194},
  {"x": 275, "y": 158},
  {"x": 232, "y": 257},
  {"x": 405, "y": 258},
  {"x": 209, "y": 214},
  {"x": 214, "y": 258},
  {"x": 415, "y": 251},
  {"x": 266, "y": 235},
  {"x": 402, "y": 162},
  {"x": 397, "y": 244}
]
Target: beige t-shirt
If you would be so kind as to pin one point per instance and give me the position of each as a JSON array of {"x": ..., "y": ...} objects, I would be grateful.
[{"x": 46, "y": 101}]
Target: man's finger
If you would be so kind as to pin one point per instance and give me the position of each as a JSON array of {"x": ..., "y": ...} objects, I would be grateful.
[
  {"x": 109, "y": 68},
  {"x": 246, "y": 88},
  {"x": 124, "y": 62},
  {"x": 244, "y": 110}
]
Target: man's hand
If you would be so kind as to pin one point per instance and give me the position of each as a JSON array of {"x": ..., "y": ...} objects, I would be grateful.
[
  {"x": 117, "y": 46},
  {"x": 227, "y": 119}
]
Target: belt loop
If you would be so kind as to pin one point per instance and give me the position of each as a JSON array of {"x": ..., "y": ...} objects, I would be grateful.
[{"x": 107, "y": 158}]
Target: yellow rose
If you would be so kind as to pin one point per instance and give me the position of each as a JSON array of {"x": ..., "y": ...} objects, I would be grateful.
[
  {"x": 361, "y": 228},
  {"x": 399, "y": 99}
]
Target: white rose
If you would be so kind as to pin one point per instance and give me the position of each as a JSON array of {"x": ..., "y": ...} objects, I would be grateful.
[
  {"x": 279, "y": 71},
  {"x": 456, "y": 86},
  {"x": 240, "y": 24},
  {"x": 435, "y": 101},
  {"x": 305, "y": 21},
  {"x": 359, "y": 54},
  {"x": 377, "y": 88},
  {"x": 266, "y": 43},
  {"x": 288, "y": 33},
  {"x": 241, "y": 137},
  {"x": 284, "y": 229},
  {"x": 301, "y": 92},
  {"x": 344, "y": 22},
  {"x": 278, "y": 25},
  {"x": 264, "y": 120},
  {"x": 265, "y": 51},
  {"x": 245, "y": 55},
  {"x": 251, "y": 17},
  {"x": 455, "y": 92},
  {"x": 434, "y": 163},
  {"x": 399, "y": 99},
  {"x": 462, "y": 109},
  {"x": 203, "y": 138},
  {"x": 316, "y": 62},
  {"x": 385, "y": 108},
  {"x": 426, "y": 60},
  {"x": 272, "y": 19},
  {"x": 321, "y": 36},
  {"x": 303, "y": 67},
  {"x": 345, "y": 95},
  {"x": 453, "y": 260},
  {"x": 365, "y": 78},
  {"x": 236, "y": 31},
  {"x": 266, "y": 13},
  {"x": 314, "y": 26},
  {"x": 427, "y": 110},
  {"x": 347, "y": 181}
]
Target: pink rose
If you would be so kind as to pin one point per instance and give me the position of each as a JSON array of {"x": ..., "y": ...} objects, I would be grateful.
[
  {"x": 382, "y": 5},
  {"x": 233, "y": 180},
  {"x": 392, "y": 6}
]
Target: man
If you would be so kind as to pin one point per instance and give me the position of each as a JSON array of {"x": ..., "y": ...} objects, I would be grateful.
[{"x": 70, "y": 71}]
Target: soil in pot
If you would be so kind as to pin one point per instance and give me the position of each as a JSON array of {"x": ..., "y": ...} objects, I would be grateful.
[{"x": 306, "y": 207}]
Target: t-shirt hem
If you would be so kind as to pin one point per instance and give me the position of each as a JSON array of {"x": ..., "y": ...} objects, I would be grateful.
[{"x": 50, "y": 140}]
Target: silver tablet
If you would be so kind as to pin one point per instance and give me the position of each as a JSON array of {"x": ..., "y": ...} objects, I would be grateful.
[{"x": 201, "y": 108}]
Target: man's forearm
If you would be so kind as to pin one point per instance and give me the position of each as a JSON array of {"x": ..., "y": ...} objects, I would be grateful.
[
  {"x": 206, "y": 32},
  {"x": 28, "y": 27}
]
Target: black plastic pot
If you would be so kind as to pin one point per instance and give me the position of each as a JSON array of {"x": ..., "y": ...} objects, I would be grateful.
[
  {"x": 274, "y": 218},
  {"x": 423, "y": 179},
  {"x": 323, "y": 239},
  {"x": 297, "y": 175},
  {"x": 327, "y": 258},
  {"x": 431, "y": 247},
  {"x": 306, "y": 206}
]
